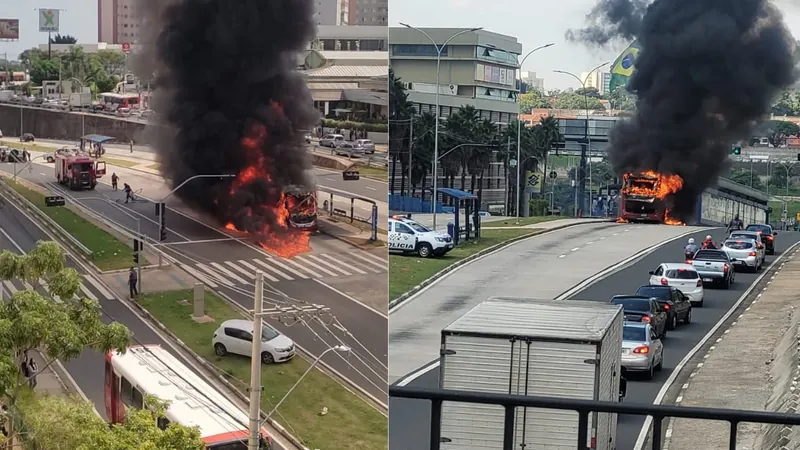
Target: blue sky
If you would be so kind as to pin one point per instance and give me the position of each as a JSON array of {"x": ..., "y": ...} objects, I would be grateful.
[{"x": 79, "y": 20}]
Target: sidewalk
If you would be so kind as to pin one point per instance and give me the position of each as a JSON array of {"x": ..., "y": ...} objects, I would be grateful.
[
  {"x": 48, "y": 381},
  {"x": 753, "y": 366},
  {"x": 442, "y": 219}
]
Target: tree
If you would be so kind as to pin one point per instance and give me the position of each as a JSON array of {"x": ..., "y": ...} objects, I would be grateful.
[
  {"x": 778, "y": 130},
  {"x": 621, "y": 99},
  {"x": 32, "y": 54},
  {"x": 65, "y": 39},
  {"x": 778, "y": 179},
  {"x": 60, "y": 330},
  {"x": 746, "y": 177},
  {"x": 785, "y": 105},
  {"x": 532, "y": 100},
  {"x": 111, "y": 61},
  {"x": 589, "y": 91},
  {"x": 55, "y": 423},
  {"x": 44, "y": 69},
  {"x": 400, "y": 114},
  {"x": 575, "y": 101},
  {"x": 422, "y": 150}
]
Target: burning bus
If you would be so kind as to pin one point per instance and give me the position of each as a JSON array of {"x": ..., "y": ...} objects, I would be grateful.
[
  {"x": 302, "y": 207},
  {"x": 644, "y": 197}
]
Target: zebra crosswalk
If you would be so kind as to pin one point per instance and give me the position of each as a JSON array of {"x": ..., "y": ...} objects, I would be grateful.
[
  {"x": 275, "y": 269},
  {"x": 89, "y": 288}
]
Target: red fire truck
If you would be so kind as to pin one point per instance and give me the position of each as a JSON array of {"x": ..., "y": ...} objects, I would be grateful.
[{"x": 78, "y": 170}]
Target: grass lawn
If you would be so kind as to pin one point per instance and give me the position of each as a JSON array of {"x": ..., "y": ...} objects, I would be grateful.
[
  {"x": 777, "y": 209},
  {"x": 373, "y": 171},
  {"x": 31, "y": 147},
  {"x": 522, "y": 221},
  {"x": 108, "y": 252},
  {"x": 154, "y": 166},
  {"x": 120, "y": 162},
  {"x": 407, "y": 271},
  {"x": 350, "y": 422}
]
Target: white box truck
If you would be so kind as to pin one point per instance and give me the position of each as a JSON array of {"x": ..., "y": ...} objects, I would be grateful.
[
  {"x": 544, "y": 348},
  {"x": 80, "y": 100}
]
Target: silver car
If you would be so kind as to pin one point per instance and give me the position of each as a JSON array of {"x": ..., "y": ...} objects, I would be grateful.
[
  {"x": 748, "y": 253},
  {"x": 642, "y": 350},
  {"x": 350, "y": 150},
  {"x": 366, "y": 145},
  {"x": 331, "y": 140}
]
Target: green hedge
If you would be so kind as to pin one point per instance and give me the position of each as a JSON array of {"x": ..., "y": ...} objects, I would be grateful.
[
  {"x": 348, "y": 125},
  {"x": 538, "y": 207}
]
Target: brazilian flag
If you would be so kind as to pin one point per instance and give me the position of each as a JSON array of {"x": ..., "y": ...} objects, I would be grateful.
[{"x": 623, "y": 66}]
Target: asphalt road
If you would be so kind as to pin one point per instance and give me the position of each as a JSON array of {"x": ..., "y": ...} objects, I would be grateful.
[
  {"x": 325, "y": 178},
  {"x": 415, "y": 415},
  {"x": 88, "y": 369},
  {"x": 227, "y": 265}
]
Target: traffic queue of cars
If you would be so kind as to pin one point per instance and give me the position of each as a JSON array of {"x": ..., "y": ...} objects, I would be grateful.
[{"x": 675, "y": 288}]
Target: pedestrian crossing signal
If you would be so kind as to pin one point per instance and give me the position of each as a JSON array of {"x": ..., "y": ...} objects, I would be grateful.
[{"x": 737, "y": 150}]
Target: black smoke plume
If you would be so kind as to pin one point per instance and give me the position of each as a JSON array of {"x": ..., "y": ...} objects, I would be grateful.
[
  {"x": 227, "y": 97},
  {"x": 611, "y": 20},
  {"x": 707, "y": 72}
]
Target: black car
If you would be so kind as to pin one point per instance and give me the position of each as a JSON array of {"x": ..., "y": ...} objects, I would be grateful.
[
  {"x": 676, "y": 304},
  {"x": 643, "y": 309},
  {"x": 767, "y": 236},
  {"x": 27, "y": 137}
]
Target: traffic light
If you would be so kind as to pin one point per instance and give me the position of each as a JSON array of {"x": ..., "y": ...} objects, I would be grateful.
[
  {"x": 162, "y": 229},
  {"x": 737, "y": 150},
  {"x": 137, "y": 246}
]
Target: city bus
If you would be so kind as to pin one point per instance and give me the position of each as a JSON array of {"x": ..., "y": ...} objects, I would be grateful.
[
  {"x": 151, "y": 370},
  {"x": 121, "y": 100},
  {"x": 302, "y": 206}
]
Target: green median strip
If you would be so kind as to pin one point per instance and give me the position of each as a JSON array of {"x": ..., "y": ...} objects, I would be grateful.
[
  {"x": 408, "y": 271},
  {"x": 349, "y": 423},
  {"x": 120, "y": 162},
  {"x": 108, "y": 252},
  {"x": 31, "y": 147},
  {"x": 523, "y": 221},
  {"x": 373, "y": 171}
]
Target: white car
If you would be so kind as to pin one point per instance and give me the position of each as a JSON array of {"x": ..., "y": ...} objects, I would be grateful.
[
  {"x": 406, "y": 235},
  {"x": 682, "y": 276},
  {"x": 332, "y": 140},
  {"x": 745, "y": 253},
  {"x": 236, "y": 336}
]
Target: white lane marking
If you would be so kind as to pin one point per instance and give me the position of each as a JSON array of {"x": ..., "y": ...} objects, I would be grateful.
[
  {"x": 13, "y": 242},
  {"x": 380, "y": 265},
  {"x": 381, "y": 261},
  {"x": 370, "y": 188},
  {"x": 603, "y": 238},
  {"x": 47, "y": 289},
  {"x": 28, "y": 286},
  {"x": 244, "y": 272},
  {"x": 199, "y": 276},
  {"x": 575, "y": 249},
  {"x": 88, "y": 293},
  {"x": 202, "y": 241},
  {"x": 100, "y": 288},
  {"x": 303, "y": 258},
  {"x": 352, "y": 266},
  {"x": 330, "y": 179},
  {"x": 214, "y": 274},
  {"x": 562, "y": 256},
  {"x": 405, "y": 381},
  {"x": 301, "y": 267},
  {"x": 352, "y": 299},
  {"x": 645, "y": 430},
  {"x": 43, "y": 174},
  {"x": 280, "y": 264},
  {"x": 227, "y": 272},
  {"x": 268, "y": 267},
  {"x": 10, "y": 287},
  {"x": 326, "y": 263},
  {"x": 590, "y": 243}
]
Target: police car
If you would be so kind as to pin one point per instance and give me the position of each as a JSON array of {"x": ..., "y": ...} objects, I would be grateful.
[{"x": 406, "y": 235}]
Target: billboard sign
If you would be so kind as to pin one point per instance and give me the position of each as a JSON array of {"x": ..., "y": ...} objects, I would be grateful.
[
  {"x": 48, "y": 20},
  {"x": 9, "y": 29},
  {"x": 126, "y": 47}
]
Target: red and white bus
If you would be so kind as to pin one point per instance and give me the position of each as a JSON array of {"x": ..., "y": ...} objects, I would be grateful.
[
  {"x": 121, "y": 100},
  {"x": 151, "y": 370}
]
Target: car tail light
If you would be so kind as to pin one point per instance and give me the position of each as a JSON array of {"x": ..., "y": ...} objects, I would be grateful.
[
  {"x": 769, "y": 238},
  {"x": 699, "y": 283},
  {"x": 752, "y": 254},
  {"x": 646, "y": 319},
  {"x": 643, "y": 350},
  {"x": 688, "y": 261},
  {"x": 725, "y": 268},
  {"x": 666, "y": 307},
  {"x": 664, "y": 281}
]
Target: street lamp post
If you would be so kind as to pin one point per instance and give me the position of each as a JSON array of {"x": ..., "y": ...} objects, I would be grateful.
[
  {"x": 581, "y": 176},
  {"x": 519, "y": 123},
  {"x": 255, "y": 424},
  {"x": 436, "y": 115}
]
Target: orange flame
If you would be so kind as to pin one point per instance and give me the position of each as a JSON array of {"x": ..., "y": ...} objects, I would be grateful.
[
  {"x": 285, "y": 242},
  {"x": 621, "y": 220},
  {"x": 671, "y": 220},
  {"x": 651, "y": 184}
]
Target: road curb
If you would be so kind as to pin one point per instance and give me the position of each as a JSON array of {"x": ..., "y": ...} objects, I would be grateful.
[
  {"x": 428, "y": 281},
  {"x": 343, "y": 239},
  {"x": 213, "y": 369}
]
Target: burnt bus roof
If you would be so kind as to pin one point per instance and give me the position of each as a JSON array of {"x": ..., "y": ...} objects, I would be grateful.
[{"x": 294, "y": 189}]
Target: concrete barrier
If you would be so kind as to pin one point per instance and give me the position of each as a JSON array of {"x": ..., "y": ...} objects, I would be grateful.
[{"x": 64, "y": 125}]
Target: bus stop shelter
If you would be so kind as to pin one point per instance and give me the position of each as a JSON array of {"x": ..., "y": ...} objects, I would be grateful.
[
  {"x": 94, "y": 139},
  {"x": 470, "y": 204}
]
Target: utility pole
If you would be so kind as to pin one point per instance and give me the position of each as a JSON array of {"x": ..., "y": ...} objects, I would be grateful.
[
  {"x": 410, "y": 151},
  {"x": 138, "y": 259},
  {"x": 508, "y": 154},
  {"x": 255, "y": 365}
]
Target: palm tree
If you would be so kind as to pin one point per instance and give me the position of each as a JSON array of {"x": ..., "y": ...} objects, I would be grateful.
[
  {"x": 422, "y": 151},
  {"x": 400, "y": 112},
  {"x": 462, "y": 129},
  {"x": 481, "y": 157},
  {"x": 547, "y": 133}
]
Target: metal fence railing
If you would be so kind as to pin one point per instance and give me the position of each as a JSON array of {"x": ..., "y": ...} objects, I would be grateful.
[{"x": 584, "y": 408}]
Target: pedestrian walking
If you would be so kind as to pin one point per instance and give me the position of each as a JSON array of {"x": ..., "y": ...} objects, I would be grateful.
[
  {"x": 33, "y": 370},
  {"x": 131, "y": 144},
  {"x": 114, "y": 181},
  {"x": 132, "y": 281},
  {"x": 128, "y": 192}
]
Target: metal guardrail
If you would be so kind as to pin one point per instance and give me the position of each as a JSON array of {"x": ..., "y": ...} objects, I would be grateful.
[
  {"x": 20, "y": 198},
  {"x": 378, "y": 159},
  {"x": 584, "y": 407}
]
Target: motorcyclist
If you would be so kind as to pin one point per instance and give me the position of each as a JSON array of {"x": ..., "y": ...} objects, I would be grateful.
[
  {"x": 735, "y": 224},
  {"x": 709, "y": 243},
  {"x": 690, "y": 249}
]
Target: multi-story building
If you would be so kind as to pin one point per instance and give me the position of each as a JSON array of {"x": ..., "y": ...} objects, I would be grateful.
[
  {"x": 477, "y": 68},
  {"x": 532, "y": 80},
  {"x": 598, "y": 80},
  {"x": 371, "y": 38},
  {"x": 116, "y": 22},
  {"x": 369, "y": 12},
  {"x": 331, "y": 12}
]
